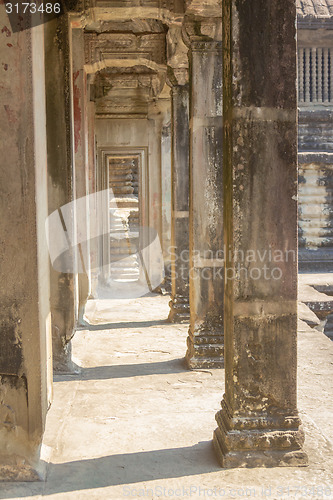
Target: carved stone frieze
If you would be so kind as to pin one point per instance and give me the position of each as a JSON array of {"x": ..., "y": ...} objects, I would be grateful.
[
  {"x": 124, "y": 46},
  {"x": 171, "y": 5}
]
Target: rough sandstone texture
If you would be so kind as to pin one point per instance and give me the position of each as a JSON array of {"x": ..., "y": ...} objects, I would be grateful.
[
  {"x": 259, "y": 423},
  {"x": 205, "y": 341},
  {"x": 60, "y": 180},
  {"x": 25, "y": 345},
  {"x": 179, "y": 304}
]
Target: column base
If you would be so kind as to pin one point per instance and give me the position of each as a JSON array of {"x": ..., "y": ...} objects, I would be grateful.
[
  {"x": 205, "y": 349},
  {"x": 62, "y": 361},
  {"x": 22, "y": 468},
  {"x": 259, "y": 441},
  {"x": 179, "y": 310}
]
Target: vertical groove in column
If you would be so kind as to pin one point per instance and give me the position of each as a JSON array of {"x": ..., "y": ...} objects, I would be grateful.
[
  {"x": 326, "y": 74},
  {"x": 307, "y": 75},
  {"x": 320, "y": 74},
  {"x": 331, "y": 77},
  {"x": 301, "y": 74}
]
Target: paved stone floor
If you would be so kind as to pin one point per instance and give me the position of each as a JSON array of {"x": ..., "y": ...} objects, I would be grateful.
[{"x": 136, "y": 424}]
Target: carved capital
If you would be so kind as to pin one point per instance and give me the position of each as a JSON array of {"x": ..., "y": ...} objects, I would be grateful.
[
  {"x": 202, "y": 33},
  {"x": 177, "y": 55},
  {"x": 177, "y": 76}
]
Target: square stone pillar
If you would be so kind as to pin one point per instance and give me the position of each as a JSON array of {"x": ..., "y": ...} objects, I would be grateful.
[
  {"x": 259, "y": 423},
  {"x": 179, "y": 304},
  {"x": 205, "y": 340},
  {"x": 60, "y": 181},
  {"x": 158, "y": 116},
  {"x": 80, "y": 166},
  {"x": 25, "y": 319},
  {"x": 166, "y": 197}
]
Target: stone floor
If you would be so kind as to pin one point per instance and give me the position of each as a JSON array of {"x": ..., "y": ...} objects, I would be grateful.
[{"x": 136, "y": 424}]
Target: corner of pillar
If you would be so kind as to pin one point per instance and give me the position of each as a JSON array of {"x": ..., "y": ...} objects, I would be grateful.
[
  {"x": 179, "y": 310},
  {"x": 205, "y": 349},
  {"x": 25, "y": 458},
  {"x": 258, "y": 441}
]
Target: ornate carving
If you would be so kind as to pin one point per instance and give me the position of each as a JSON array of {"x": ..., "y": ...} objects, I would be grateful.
[
  {"x": 202, "y": 32},
  {"x": 170, "y": 5},
  {"x": 124, "y": 46}
]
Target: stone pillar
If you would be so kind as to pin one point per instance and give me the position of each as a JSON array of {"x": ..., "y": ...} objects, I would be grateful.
[
  {"x": 81, "y": 170},
  {"x": 60, "y": 180},
  {"x": 179, "y": 304},
  {"x": 25, "y": 319},
  {"x": 155, "y": 124},
  {"x": 259, "y": 423},
  {"x": 166, "y": 197},
  {"x": 205, "y": 340},
  {"x": 158, "y": 115},
  {"x": 92, "y": 170}
]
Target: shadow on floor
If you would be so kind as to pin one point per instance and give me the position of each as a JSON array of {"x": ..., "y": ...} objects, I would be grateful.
[
  {"x": 125, "y": 371},
  {"x": 124, "y": 324},
  {"x": 125, "y": 469}
]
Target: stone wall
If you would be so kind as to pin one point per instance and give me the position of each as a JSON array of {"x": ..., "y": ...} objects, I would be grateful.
[{"x": 315, "y": 138}]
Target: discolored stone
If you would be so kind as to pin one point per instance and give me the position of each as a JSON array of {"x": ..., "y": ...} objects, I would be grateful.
[
  {"x": 259, "y": 424},
  {"x": 205, "y": 340},
  {"x": 179, "y": 304}
]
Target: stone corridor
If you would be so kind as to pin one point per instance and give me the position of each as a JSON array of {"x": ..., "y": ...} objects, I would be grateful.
[
  {"x": 134, "y": 423},
  {"x": 151, "y": 147}
]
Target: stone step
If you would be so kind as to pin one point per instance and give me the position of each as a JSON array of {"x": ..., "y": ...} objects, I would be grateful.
[
  {"x": 123, "y": 190},
  {"x": 125, "y": 263},
  {"x": 121, "y": 176},
  {"x": 123, "y": 243},
  {"x": 124, "y": 275},
  {"x": 126, "y": 280}
]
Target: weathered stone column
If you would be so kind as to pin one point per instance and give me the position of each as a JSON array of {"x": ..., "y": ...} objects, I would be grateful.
[
  {"x": 80, "y": 165},
  {"x": 60, "y": 180},
  {"x": 25, "y": 319},
  {"x": 205, "y": 340},
  {"x": 166, "y": 196},
  {"x": 159, "y": 111},
  {"x": 259, "y": 423},
  {"x": 179, "y": 304}
]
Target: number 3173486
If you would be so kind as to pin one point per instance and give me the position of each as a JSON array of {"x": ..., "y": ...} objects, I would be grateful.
[{"x": 32, "y": 8}]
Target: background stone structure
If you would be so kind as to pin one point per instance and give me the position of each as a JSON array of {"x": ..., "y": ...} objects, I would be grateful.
[{"x": 315, "y": 101}]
